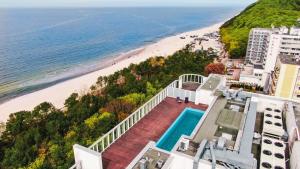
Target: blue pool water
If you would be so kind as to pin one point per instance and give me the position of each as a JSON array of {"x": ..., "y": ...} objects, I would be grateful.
[{"x": 184, "y": 125}]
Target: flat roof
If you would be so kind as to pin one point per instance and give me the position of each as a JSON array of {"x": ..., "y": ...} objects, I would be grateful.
[
  {"x": 209, "y": 124},
  {"x": 289, "y": 59},
  {"x": 248, "y": 132},
  {"x": 155, "y": 156},
  {"x": 211, "y": 83},
  {"x": 190, "y": 86},
  {"x": 222, "y": 119},
  {"x": 231, "y": 119}
]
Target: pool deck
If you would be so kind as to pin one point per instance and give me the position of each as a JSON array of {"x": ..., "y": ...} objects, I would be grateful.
[{"x": 150, "y": 128}]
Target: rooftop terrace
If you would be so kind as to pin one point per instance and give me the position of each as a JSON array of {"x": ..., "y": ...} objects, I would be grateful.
[
  {"x": 229, "y": 135},
  {"x": 150, "y": 128}
]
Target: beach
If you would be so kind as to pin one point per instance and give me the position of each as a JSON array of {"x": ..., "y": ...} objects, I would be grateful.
[{"x": 57, "y": 94}]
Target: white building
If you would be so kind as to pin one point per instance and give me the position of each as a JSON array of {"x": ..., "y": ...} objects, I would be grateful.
[
  {"x": 257, "y": 45},
  {"x": 252, "y": 74},
  {"x": 264, "y": 47},
  {"x": 228, "y": 134}
]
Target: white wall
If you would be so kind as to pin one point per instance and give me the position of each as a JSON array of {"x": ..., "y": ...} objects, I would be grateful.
[
  {"x": 182, "y": 161},
  {"x": 86, "y": 158},
  {"x": 204, "y": 97},
  {"x": 264, "y": 102},
  {"x": 176, "y": 92},
  {"x": 291, "y": 124},
  {"x": 273, "y": 51},
  {"x": 295, "y": 156},
  {"x": 250, "y": 79}
]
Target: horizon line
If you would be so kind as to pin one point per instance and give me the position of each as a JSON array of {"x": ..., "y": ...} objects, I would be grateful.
[{"x": 130, "y": 6}]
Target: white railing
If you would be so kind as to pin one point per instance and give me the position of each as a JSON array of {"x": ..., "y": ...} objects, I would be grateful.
[
  {"x": 109, "y": 138},
  {"x": 192, "y": 78},
  {"x": 181, "y": 93},
  {"x": 172, "y": 90}
]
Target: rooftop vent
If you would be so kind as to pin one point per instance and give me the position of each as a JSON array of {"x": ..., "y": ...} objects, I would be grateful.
[
  {"x": 273, "y": 121},
  {"x": 143, "y": 163},
  {"x": 184, "y": 144},
  {"x": 267, "y": 141},
  {"x": 272, "y": 153},
  {"x": 221, "y": 143},
  {"x": 269, "y": 109}
]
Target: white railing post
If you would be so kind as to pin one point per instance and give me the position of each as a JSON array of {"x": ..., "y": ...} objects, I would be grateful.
[
  {"x": 102, "y": 145},
  {"x": 119, "y": 130},
  {"x": 107, "y": 139}
]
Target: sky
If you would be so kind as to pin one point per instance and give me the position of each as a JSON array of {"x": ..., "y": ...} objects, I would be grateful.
[{"x": 121, "y": 3}]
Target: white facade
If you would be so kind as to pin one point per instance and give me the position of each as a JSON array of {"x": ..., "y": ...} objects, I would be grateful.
[
  {"x": 264, "y": 47},
  {"x": 250, "y": 79},
  {"x": 273, "y": 50},
  {"x": 204, "y": 95},
  {"x": 86, "y": 158},
  {"x": 252, "y": 75},
  {"x": 295, "y": 156},
  {"x": 257, "y": 44}
]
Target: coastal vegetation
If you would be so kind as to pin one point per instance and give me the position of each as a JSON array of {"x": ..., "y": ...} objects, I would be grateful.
[
  {"x": 264, "y": 14},
  {"x": 43, "y": 137},
  {"x": 215, "y": 68}
]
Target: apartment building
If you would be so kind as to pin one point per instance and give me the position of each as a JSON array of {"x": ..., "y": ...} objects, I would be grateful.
[
  {"x": 265, "y": 44},
  {"x": 264, "y": 47},
  {"x": 257, "y": 45},
  {"x": 286, "y": 77}
]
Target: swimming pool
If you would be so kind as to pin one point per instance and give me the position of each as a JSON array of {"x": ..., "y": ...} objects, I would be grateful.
[{"x": 183, "y": 125}]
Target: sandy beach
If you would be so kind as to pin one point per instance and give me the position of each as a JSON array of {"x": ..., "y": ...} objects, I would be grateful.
[{"x": 58, "y": 93}]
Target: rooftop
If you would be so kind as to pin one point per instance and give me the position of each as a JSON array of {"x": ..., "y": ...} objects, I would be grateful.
[
  {"x": 289, "y": 59},
  {"x": 231, "y": 133},
  {"x": 211, "y": 83},
  {"x": 155, "y": 157},
  {"x": 248, "y": 70},
  {"x": 225, "y": 117},
  {"x": 190, "y": 86},
  {"x": 151, "y": 127}
]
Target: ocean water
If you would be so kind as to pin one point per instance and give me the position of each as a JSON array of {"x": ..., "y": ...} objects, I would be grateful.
[{"x": 42, "y": 47}]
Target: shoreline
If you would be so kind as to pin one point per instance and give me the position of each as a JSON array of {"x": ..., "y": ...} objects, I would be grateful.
[
  {"x": 105, "y": 62},
  {"x": 58, "y": 93}
]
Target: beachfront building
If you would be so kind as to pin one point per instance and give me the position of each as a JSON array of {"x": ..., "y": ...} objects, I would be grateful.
[
  {"x": 198, "y": 123},
  {"x": 285, "y": 80},
  {"x": 264, "y": 47}
]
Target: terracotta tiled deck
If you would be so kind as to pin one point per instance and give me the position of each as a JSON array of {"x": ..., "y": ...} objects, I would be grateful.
[{"x": 151, "y": 127}]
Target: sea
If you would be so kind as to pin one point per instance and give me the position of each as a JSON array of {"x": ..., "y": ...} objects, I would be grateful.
[{"x": 42, "y": 47}]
